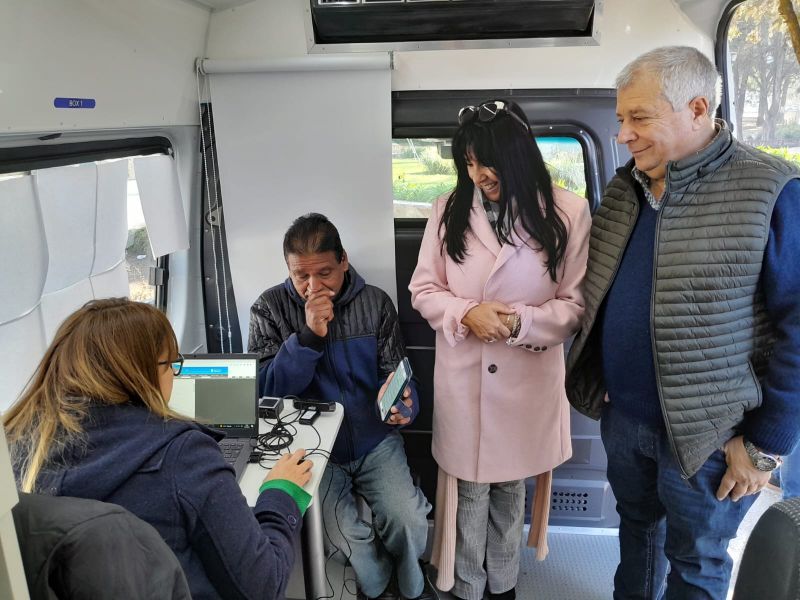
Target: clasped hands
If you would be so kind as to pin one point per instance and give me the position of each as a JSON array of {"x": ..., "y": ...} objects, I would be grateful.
[{"x": 490, "y": 321}]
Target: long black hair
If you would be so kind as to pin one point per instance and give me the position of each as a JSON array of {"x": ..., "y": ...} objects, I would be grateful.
[{"x": 507, "y": 147}]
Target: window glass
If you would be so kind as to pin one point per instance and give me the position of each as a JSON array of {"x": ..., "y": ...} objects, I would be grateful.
[
  {"x": 564, "y": 159},
  {"x": 138, "y": 254},
  {"x": 423, "y": 170},
  {"x": 764, "y": 79}
]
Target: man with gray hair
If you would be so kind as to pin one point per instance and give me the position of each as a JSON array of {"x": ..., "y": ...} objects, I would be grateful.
[{"x": 689, "y": 351}]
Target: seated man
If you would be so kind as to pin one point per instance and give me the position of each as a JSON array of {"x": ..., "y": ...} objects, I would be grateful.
[{"x": 325, "y": 334}]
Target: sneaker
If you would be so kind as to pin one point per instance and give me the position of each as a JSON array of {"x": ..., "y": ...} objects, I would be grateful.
[{"x": 429, "y": 591}]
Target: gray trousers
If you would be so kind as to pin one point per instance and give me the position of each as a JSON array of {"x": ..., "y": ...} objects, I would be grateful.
[{"x": 489, "y": 524}]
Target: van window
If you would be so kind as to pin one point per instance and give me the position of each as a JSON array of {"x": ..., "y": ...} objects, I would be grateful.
[
  {"x": 763, "y": 79},
  {"x": 138, "y": 253},
  {"x": 423, "y": 170}
]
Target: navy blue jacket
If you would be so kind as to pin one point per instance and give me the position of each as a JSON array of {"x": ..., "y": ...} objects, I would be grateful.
[
  {"x": 628, "y": 360},
  {"x": 171, "y": 474},
  {"x": 362, "y": 348}
]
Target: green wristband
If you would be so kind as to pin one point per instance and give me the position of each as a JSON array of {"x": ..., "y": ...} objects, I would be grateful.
[{"x": 301, "y": 497}]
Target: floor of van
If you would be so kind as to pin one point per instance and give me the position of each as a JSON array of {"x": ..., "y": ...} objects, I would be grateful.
[{"x": 580, "y": 565}]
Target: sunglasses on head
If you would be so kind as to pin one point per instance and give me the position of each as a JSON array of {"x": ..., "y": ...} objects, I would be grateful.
[{"x": 487, "y": 112}]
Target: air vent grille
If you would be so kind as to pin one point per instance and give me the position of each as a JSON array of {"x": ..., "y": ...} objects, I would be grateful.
[
  {"x": 407, "y": 21},
  {"x": 566, "y": 501},
  {"x": 579, "y": 499}
]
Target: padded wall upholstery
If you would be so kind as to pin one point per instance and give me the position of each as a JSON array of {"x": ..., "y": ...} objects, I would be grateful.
[
  {"x": 63, "y": 243},
  {"x": 23, "y": 270}
]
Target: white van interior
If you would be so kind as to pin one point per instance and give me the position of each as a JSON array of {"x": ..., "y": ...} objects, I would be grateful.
[{"x": 159, "y": 149}]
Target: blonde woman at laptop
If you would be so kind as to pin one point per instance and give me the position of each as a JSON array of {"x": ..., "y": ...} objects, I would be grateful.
[{"x": 94, "y": 423}]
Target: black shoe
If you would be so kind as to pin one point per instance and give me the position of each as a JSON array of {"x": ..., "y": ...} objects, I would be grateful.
[
  {"x": 428, "y": 591},
  {"x": 390, "y": 593},
  {"x": 509, "y": 595}
]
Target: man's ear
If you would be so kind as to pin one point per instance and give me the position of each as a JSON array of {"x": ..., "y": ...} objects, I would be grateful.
[
  {"x": 699, "y": 107},
  {"x": 344, "y": 262}
]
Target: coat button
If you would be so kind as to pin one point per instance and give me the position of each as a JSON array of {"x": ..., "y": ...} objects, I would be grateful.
[
  {"x": 292, "y": 520},
  {"x": 528, "y": 346},
  {"x": 544, "y": 348},
  {"x": 492, "y": 368},
  {"x": 536, "y": 349}
]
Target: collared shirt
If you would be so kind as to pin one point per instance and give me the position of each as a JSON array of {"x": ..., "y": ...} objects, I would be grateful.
[
  {"x": 644, "y": 181},
  {"x": 492, "y": 210}
]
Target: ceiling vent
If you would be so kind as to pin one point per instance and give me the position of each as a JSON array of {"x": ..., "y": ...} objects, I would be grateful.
[{"x": 370, "y": 25}]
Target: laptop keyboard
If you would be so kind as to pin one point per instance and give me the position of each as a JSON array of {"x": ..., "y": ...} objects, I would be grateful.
[{"x": 231, "y": 449}]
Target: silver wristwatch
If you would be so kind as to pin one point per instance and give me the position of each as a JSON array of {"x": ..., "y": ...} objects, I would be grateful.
[{"x": 761, "y": 460}]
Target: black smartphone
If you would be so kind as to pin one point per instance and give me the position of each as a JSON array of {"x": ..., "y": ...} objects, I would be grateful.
[{"x": 393, "y": 395}]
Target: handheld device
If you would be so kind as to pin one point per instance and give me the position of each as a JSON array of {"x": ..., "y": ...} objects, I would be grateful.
[{"x": 393, "y": 395}]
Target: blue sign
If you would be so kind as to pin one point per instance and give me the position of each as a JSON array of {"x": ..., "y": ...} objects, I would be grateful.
[
  {"x": 74, "y": 102},
  {"x": 205, "y": 371}
]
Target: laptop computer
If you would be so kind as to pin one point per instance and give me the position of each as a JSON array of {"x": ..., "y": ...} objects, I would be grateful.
[{"x": 220, "y": 391}]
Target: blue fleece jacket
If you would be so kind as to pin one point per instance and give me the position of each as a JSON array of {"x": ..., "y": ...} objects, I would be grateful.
[
  {"x": 349, "y": 365},
  {"x": 628, "y": 365},
  {"x": 172, "y": 475}
]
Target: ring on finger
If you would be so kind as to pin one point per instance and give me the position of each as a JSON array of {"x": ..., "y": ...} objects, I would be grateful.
[{"x": 490, "y": 341}]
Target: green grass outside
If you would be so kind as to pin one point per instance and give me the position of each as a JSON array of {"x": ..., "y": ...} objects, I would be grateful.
[{"x": 411, "y": 182}]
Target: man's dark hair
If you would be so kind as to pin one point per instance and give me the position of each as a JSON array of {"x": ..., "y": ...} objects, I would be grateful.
[{"x": 312, "y": 234}]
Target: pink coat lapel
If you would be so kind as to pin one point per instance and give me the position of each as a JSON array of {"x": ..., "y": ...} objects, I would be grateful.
[{"x": 480, "y": 224}]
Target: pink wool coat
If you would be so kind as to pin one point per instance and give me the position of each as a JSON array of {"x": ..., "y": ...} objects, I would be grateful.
[{"x": 501, "y": 412}]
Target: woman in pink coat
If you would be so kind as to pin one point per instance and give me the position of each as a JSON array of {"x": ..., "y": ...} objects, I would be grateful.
[{"x": 498, "y": 278}]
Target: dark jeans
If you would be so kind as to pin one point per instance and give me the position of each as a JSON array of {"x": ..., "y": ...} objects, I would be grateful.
[
  {"x": 396, "y": 537},
  {"x": 673, "y": 533}
]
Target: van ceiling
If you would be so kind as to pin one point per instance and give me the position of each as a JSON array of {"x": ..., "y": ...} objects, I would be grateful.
[{"x": 704, "y": 14}]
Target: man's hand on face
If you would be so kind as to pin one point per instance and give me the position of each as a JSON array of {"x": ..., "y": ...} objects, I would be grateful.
[
  {"x": 741, "y": 478},
  {"x": 319, "y": 311}
]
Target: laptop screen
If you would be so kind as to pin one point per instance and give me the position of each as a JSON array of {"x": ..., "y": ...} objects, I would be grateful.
[{"x": 219, "y": 390}]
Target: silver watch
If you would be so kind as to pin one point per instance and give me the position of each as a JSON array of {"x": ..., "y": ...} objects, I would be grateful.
[{"x": 761, "y": 460}]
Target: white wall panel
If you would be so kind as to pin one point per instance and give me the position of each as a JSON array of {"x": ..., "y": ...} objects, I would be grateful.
[
  {"x": 58, "y": 305},
  {"x": 284, "y": 152},
  {"x": 23, "y": 267},
  {"x": 111, "y": 229},
  {"x": 136, "y": 59},
  {"x": 67, "y": 196},
  {"x": 22, "y": 344}
]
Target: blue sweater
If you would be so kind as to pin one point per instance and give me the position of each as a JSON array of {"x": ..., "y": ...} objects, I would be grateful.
[
  {"x": 628, "y": 365},
  {"x": 348, "y": 366},
  {"x": 172, "y": 475}
]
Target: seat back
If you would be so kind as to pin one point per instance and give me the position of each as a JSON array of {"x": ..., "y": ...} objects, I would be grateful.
[
  {"x": 78, "y": 548},
  {"x": 12, "y": 575},
  {"x": 770, "y": 566}
]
